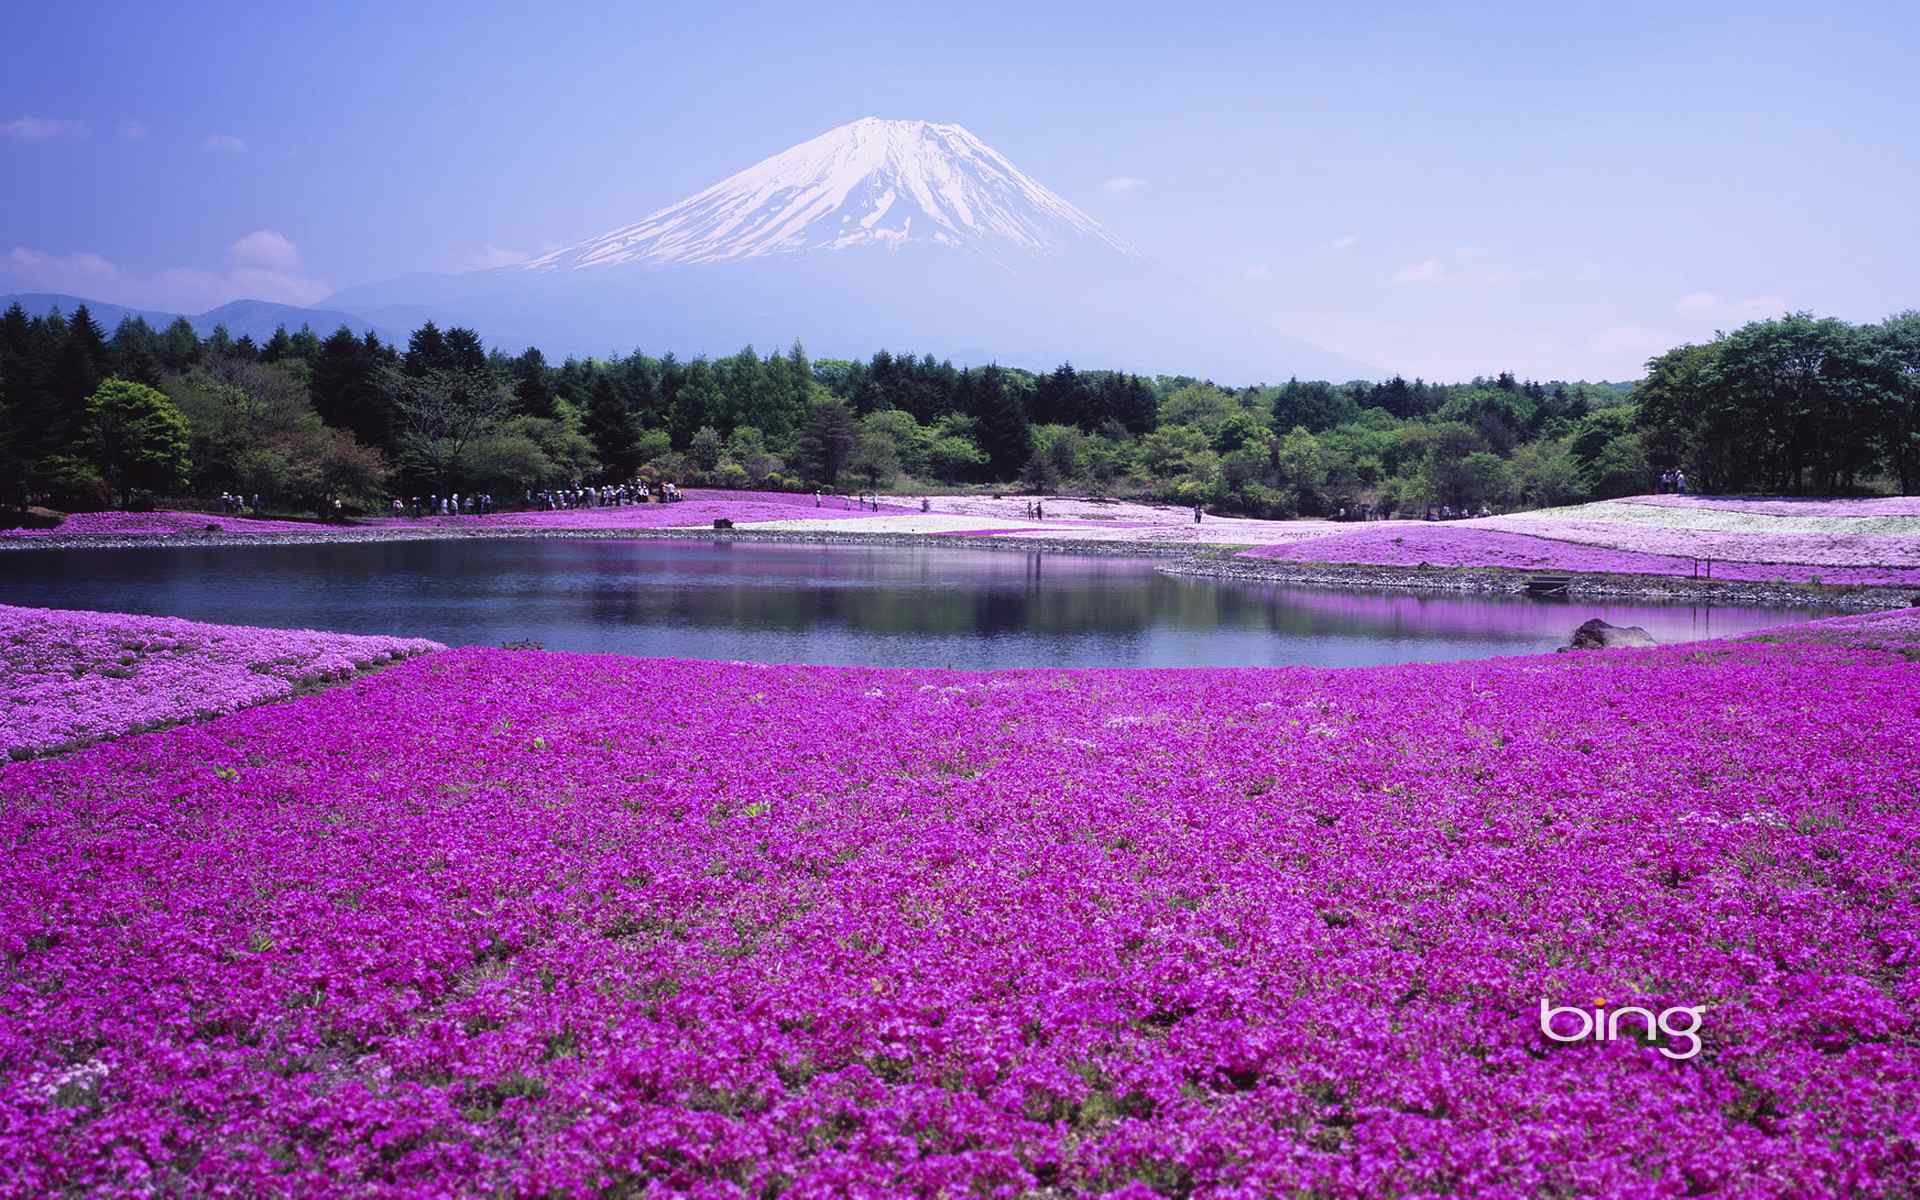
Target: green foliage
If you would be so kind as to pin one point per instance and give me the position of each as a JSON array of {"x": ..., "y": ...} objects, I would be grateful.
[
  {"x": 705, "y": 448},
  {"x": 611, "y": 426},
  {"x": 1796, "y": 403},
  {"x": 826, "y": 442},
  {"x": 137, "y": 439},
  {"x": 876, "y": 456}
]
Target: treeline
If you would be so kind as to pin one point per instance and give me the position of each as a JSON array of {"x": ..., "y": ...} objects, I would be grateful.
[
  {"x": 1795, "y": 405},
  {"x": 89, "y": 420}
]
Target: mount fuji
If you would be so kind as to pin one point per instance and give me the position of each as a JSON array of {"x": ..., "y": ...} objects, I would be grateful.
[
  {"x": 861, "y": 185},
  {"x": 905, "y": 235}
]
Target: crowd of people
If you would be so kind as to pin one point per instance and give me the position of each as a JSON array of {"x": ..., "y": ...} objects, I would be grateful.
[
  {"x": 476, "y": 504},
  {"x": 1674, "y": 481},
  {"x": 611, "y": 496},
  {"x": 1447, "y": 512},
  {"x": 473, "y": 504}
]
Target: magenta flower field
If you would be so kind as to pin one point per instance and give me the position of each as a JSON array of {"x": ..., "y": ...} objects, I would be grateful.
[
  {"x": 699, "y": 508},
  {"x": 75, "y": 677},
  {"x": 162, "y": 524},
  {"x": 509, "y": 923},
  {"x": 1853, "y": 551},
  {"x": 1449, "y": 544}
]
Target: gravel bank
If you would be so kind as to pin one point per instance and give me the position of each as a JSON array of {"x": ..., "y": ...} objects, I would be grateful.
[{"x": 1492, "y": 581}]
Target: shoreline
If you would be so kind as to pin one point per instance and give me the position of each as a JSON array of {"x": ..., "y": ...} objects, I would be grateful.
[
  {"x": 1494, "y": 581},
  {"x": 1185, "y": 560}
]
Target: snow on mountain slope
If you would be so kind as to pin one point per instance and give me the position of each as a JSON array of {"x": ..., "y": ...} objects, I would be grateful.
[{"x": 869, "y": 183}]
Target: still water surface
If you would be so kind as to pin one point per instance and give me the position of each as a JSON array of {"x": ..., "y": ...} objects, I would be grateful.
[{"x": 881, "y": 605}]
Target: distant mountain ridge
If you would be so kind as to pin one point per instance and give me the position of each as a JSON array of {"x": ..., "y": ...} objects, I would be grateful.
[
  {"x": 256, "y": 319},
  {"x": 904, "y": 235}
]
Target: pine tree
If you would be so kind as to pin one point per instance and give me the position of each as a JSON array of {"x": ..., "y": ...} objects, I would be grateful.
[
  {"x": 826, "y": 441},
  {"x": 426, "y": 351},
  {"x": 1002, "y": 428},
  {"x": 532, "y": 390},
  {"x": 77, "y": 370},
  {"x": 179, "y": 346},
  {"x": 464, "y": 351},
  {"x": 616, "y": 438},
  {"x": 345, "y": 387}
]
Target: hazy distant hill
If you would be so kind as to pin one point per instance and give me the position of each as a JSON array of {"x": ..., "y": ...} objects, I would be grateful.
[
  {"x": 907, "y": 235},
  {"x": 243, "y": 318}
]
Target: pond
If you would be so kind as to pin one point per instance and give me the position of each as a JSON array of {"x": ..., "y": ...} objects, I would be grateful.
[{"x": 877, "y": 605}]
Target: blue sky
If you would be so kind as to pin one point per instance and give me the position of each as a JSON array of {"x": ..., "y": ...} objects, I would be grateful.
[{"x": 1559, "y": 190}]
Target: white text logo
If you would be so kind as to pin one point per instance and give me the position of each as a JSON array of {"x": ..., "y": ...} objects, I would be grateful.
[{"x": 1598, "y": 1024}]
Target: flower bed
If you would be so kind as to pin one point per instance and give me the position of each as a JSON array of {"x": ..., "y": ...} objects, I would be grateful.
[
  {"x": 1461, "y": 544},
  {"x": 1789, "y": 506},
  {"x": 1862, "y": 551},
  {"x": 512, "y": 923},
  {"x": 162, "y": 524},
  {"x": 700, "y": 507},
  {"x": 1641, "y": 511},
  {"x": 75, "y": 677}
]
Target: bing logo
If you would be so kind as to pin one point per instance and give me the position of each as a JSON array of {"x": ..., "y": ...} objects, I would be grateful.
[{"x": 1598, "y": 1024}]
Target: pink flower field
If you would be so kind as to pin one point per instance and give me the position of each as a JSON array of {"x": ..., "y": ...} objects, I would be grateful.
[
  {"x": 163, "y": 524},
  {"x": 1851, "y": 550},
  {"x": 74, "y": 677},
  {"x": 510, "y": 923},
  {"x": 1792, "y": 506},
  {"x": 699, "y": 508},
  {"x": 1472, "y": 544}
]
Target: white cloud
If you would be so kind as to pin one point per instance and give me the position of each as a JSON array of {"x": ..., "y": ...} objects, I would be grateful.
[
  {"x": 1697, "y": 302},
  {"x": 263, "y": 265},
  {"x": 69, "y": 273},
  {"x": 1420, "y": 272},
  {"x": 265, "y": 249},
  {"x": 1124, "y": 183},
  {"x": 1257, "y": 272},
  {"x": 225, "y": 143},
  {"x": 1764, "y": 304},
  {"x": 133, "y": 131},
  {"x": 490, "y": 256},
  {"x": 39, "y": 129},
  {"x": 1345, "y": 241},
  {"x": 1468, "y": 253}
]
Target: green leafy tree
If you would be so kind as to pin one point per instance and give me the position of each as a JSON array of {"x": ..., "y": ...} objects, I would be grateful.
[
  {"x": 876, "y": 456},
  {"x": 953, "y": 458},
  {"x": 443, "y": 414},
  {"x": 1898, "y": 363},
  {"x": 706, "y": 448},
  {"x": 137, "y": 438},
  {"x": 1040, "y": 473},
  {"x": 1200, "y": 405},
  {"x": 1166, "y": 450}
]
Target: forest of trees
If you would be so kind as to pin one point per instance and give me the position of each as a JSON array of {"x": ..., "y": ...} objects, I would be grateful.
[{"x": 143, "y": 416}]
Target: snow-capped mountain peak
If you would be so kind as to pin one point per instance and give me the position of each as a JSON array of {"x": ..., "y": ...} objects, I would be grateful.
[{"x": 869, "y": 183}]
